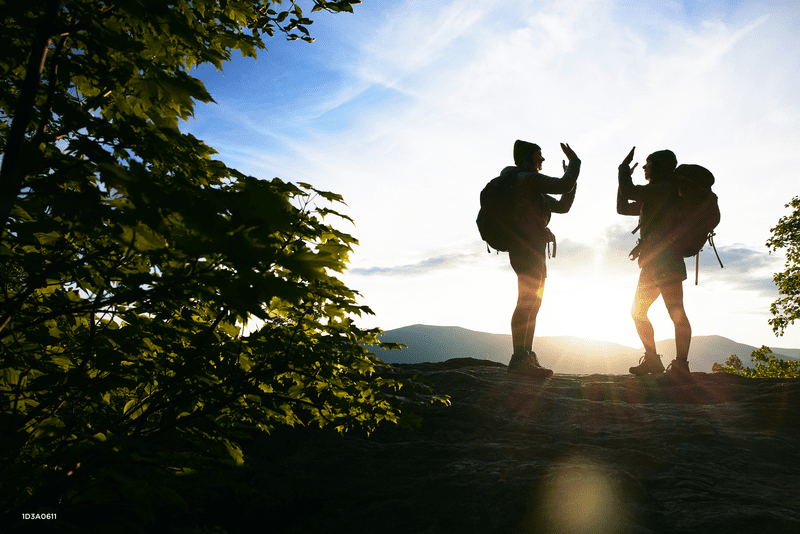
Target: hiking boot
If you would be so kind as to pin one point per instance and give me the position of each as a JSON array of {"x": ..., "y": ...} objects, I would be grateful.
[
  {"x": 648, "y": 364},
  {"x": 527, "y": 364},
  {"x": 516, "y": 359},
  {"x": 679, "y": 369}
]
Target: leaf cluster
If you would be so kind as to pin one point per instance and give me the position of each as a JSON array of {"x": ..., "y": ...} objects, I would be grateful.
[
  {"x": 268, "y": 19},
  {"x": 156, "y": 306},
  {"x": 764, "y": 365},
  {"x": 786, "y": 234}
]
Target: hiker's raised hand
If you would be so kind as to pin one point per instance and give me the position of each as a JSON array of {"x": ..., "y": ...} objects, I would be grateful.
[
  {"x": 564, "y": 165},
  {"x": 634, "y": 167},
  {"x": 568, "y": 152},
  {"x": 629, "y": 157}
]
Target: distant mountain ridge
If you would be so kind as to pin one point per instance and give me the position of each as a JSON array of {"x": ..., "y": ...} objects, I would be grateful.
[{"x": 563, "y": 354}]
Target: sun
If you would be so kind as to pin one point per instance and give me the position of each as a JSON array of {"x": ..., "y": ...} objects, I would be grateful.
[{"x": 589, "y": 307}]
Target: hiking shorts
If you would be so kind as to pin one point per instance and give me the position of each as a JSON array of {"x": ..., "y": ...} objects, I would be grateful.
[
  {"x": 667, "y": 267},
  {"x": 529, "y": 260}
]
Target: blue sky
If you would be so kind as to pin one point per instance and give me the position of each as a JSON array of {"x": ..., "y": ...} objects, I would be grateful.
[{"x": 407, "y": 108}]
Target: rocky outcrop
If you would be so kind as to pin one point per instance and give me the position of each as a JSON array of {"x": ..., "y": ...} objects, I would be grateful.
[{"x": 570, "y": 454}]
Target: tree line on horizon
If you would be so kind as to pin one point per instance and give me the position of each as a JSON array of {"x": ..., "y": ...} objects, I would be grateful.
[{"x": 131, "y": 260}]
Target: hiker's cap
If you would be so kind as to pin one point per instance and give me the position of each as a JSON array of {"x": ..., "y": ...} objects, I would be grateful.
[
  {"x": 696, "y": 174},
  {"x": 523, "y": 150}
]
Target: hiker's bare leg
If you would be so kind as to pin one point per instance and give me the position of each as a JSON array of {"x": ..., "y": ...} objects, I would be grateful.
[
  {"x": 673, "y": 298},
  {"x": 644, "y": 298},
  {"x": 537, "y": 303},
  {"x": 529, "y": 300}
]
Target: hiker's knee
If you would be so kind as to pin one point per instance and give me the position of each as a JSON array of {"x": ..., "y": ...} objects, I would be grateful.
[
  {"x": 639, "y": 310},
  {"x": 673, "y": 300},
  {"x": 638, "y": 314},
  {"x": 529, "y": 303},
  {"x": 531, "y": 290},
  {"x": 677, "y": 313},
  {"x": 646, "y": 294}
]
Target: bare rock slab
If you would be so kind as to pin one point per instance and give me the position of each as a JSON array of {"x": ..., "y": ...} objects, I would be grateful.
[{"x": 569, "y": 454}]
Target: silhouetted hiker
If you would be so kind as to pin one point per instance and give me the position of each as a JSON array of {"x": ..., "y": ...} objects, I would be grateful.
[
  {"x": 662, "y": 267},
  {"x": 532, "y": 206}
]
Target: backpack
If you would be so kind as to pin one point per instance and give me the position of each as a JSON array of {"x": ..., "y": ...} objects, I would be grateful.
[
  {"x": 694, "y": 217},
  {"x": 698, "y": 210},
  {"x": 496, "y": 217}
]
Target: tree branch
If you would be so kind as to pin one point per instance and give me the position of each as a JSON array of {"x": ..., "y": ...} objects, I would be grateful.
[
  {"x": 51, "y": 90},
  {"x": 11, "y": 172}
]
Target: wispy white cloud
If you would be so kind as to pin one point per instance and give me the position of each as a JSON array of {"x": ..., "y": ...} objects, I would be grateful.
[
  {"x": 422, "y": 35},
  {"x": 420, "y": 268}
]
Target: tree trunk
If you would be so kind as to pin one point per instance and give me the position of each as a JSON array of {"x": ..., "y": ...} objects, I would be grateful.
[{"x": 11, "y": 172}]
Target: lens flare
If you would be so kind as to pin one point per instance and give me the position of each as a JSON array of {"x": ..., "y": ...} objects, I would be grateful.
[{"x": 580, "y": 498}]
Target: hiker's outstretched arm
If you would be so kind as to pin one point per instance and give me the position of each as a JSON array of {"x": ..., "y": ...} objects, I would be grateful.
[
  {"x": 564, "y": 203},
  {"x": 554, "y": 186},
  {"x": 626, "y": 187},
  {"x": 627, "y": 207}
]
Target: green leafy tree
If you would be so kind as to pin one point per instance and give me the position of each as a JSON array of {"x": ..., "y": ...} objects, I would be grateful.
[
  {"x": 765, "y": 365},
  {"x": 156, "y": 306},
  {"x": 784, "y": 310},
  {"x": 787, "y": 235}
]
